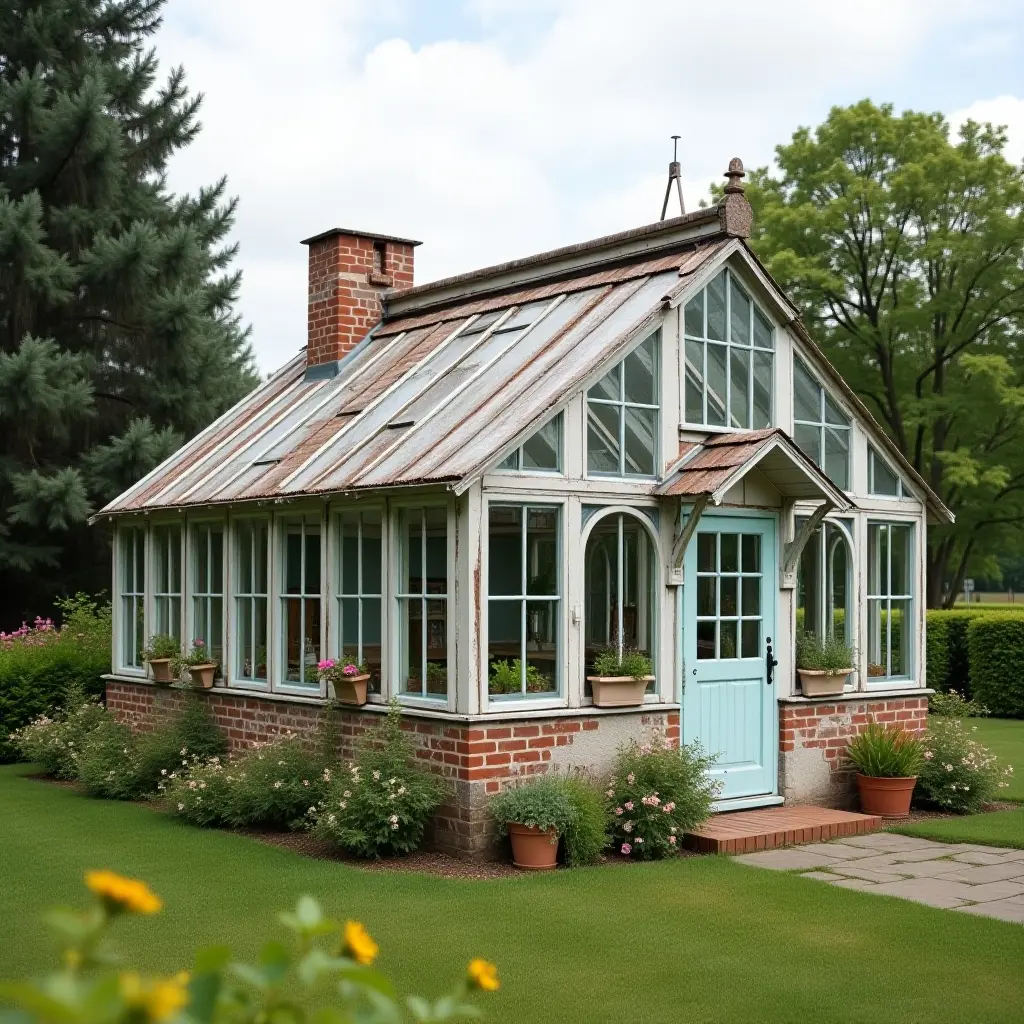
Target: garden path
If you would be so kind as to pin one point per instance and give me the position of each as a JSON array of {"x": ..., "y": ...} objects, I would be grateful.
[{"x": 972, "y": 879}]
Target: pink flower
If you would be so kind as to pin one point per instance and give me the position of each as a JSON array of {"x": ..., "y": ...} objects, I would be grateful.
[
  {"x": 628, "y": 805},
  {"x": 672, "y": 840},
  {"x": 198, "y": 642},
  {"x": 326, "y": 664},
  {"x": 625, "y": 849},
  {"x": 350, "y": 670},
  {"x": 631, "y": 778},
  {"x": 618, "y": 811}
]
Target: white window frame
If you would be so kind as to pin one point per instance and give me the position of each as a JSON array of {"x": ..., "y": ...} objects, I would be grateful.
[
  {"x": 640, "y": 514},
  {"x": 622, "y": 405},
  {"x": 554, "y": 697},
  {"x": 234, "y": 676},
  {"x": 137, "y": 597},
  {"x": 396, "y": 596},
  {"x": 728, "y": 345},
  {"x": 338, "y": 594},
  {"x": 198, "y": 590},
  {"x": 168, "y": 595},
  {"x": 279, "y": 622},
  {"x": 822, "y": 425},
  {"x": 516, "y": 455},
  {"x": 873, "y": 457},
  {"x": 908, "y": 627}
]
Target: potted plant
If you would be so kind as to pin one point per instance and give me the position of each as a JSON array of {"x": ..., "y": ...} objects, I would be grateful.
[
  {"x": 160, "y": 654},
  {"x": 534, "y": 815},
  {"x": 507, "y": 677},
  {"x": 887, "y": 761},
  {"x": 200, "y": 667},
  {"x": 620, "y": 677},
  {"x": 823, "y": 664},
  {"x": 346, "y": 681}
]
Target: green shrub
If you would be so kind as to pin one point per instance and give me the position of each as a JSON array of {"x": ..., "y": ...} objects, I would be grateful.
[
  {"x": 952, "y": 705},
  {"x": 958, "y": 773},
  {"x": 656, "y": 793},
  {"x": 54, "y": 743},
  {"x": 380, "y": 803},
  {"x": 107, "y": 762},
  {"x": 886, "y": 752},
  {"x": 946, "y": 654},
  {"x": 633, "y": 663},
  {"x": 996, "y": 647},
  {"x": 39, "y": 665},
  {"x": 823, "y": 654},
  {"x": 586, "y": 836},
  {"x": 200, "y": 791}
]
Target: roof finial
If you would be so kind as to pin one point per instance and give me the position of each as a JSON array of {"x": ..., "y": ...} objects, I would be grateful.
[
  {"x": 674, "y": 174},
  {"x": 735, "y": 174}
]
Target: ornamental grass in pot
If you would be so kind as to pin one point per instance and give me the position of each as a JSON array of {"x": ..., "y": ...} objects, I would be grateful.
[
  {"x": 620, "y": 677},
  {"x": 823, "y": 664},
  {"x": 887, "y": 760},
  {"x": 162, "y": 654}
]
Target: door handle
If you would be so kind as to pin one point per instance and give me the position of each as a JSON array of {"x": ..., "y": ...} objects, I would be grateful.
[{"x": 770, "y": 662}]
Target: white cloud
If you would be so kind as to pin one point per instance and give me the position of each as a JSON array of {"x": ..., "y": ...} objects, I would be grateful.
[
  {"x": 487, "y": 149},
  {"x": 1002, "y": 110}
]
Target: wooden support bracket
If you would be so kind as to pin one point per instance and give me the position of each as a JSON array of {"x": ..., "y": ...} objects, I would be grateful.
[
  {"x": 793, "y": 549},
  {"x": 684, "y": 531}
]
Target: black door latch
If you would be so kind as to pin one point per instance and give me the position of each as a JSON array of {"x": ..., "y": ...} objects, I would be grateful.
[{"x": 770, "y": 661}]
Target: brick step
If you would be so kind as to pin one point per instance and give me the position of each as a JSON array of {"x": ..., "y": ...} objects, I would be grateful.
[{"x": 747, "y": 831}]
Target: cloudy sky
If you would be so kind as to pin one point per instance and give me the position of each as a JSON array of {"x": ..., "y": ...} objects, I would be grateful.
[{"x": 491, "y": 129}]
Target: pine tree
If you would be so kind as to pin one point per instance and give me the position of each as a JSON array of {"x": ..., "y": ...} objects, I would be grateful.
[{"x": 118, "y": 336}]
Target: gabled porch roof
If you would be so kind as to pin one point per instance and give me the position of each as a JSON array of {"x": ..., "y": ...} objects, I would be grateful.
[{"x": 712, "y": 466}]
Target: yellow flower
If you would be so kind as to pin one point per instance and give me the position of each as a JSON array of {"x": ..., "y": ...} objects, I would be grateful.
[
  {"x": 120, "y": 893},
  {"x": 483, "y": 974},
  {"x": 358, "y": 943},
  {"x": 159, "y": 999}
]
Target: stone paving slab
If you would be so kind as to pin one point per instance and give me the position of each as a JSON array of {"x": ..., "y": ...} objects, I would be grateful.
[{"x": 980, "y": 880}]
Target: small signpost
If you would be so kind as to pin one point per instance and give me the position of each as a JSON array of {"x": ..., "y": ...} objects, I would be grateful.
[{"x": 968, "y": 589}]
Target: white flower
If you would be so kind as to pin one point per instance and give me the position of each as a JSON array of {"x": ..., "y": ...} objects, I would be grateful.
[
  {"x": 393, "y": 819},
  {"x": 949, "y": 767},
  {"x": 181, "y": 807},
  {"x": 401, "y": 790},
  {"x": 627, "y": 826},
  {"x": 347, "y": 794},
  {"x": 928, "y": 755},
  {"x": 631, "y": 778},
  {"x": 376, "y": 776},
  {"x": 163, "y": 771},
  {"x": 278, "y": 784},
  {"x": 394, "y": 828}
]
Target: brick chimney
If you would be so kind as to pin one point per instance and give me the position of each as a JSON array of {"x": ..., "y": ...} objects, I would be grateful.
[{"x": 349, "y": 272}]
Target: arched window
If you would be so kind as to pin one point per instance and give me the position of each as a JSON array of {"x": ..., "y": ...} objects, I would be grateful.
[
  {"x": 825, "y": 583},
  {"x": 621, "y": 588}
]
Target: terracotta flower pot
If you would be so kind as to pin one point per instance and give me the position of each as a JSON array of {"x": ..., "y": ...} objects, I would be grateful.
[
  {"x": 819, "y": 683},
  {"x": 161, "y": 669},
  {"x": 351, "y": 689},
  {"x": 202, "y": 675},
  {"x": 889, "y": 798},
  {"x": 618, "y": 691},
  {"x": 532, "y": 849}
]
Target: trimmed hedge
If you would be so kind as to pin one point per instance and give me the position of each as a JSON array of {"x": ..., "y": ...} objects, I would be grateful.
[
  {"x": 948, "y": 662},
  {"x": 996, "y": 650}
]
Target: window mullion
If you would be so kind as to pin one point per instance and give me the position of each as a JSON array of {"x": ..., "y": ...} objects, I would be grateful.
[{"x": 618, "y": 585}]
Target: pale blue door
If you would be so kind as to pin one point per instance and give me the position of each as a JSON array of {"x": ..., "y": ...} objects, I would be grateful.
[{"x": 728, "y": 623}]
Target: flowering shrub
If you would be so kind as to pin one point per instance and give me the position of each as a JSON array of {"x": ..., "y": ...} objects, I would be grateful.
[
  {"x": 958, "y": 773},
  {"x": 657, "y": 792},
  {"x": 568, "y": 804},
  {"x": 952, "y": 705},
  {"x": 54, "y": 743},
  {"x": 40, "y": 663},
  {"x": 380, "y": 803},
  {"x": 108, "y": 763},
  {"x": 270, "y": 785},
  {"x": 325, "y": 975}
]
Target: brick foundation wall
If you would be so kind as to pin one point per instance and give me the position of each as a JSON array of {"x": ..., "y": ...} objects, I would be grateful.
[
  {"x": 813, "y": 735},
  {"x": 476, "y": 758}
]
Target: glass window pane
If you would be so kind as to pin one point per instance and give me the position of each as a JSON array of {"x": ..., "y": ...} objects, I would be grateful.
[
  {"x": 608, "y": 387},
  {"x": 763, "y": 388},
  {"x": 808, "y": 585},
  {"x": 883, "y": 480},
  {"x": 763, "y": 335},
  {"x": 728, "y": 597},
  {"x": 511, "y": 461},
  {"x": 437, "y": 648},
  {"x": 694, "y": 382},
  {"x": 504, "y": 647},
  {"x": 543, "y": 450},
  {"x": 751, "y": 638},
  {"x": 716, "y": 307},
  {"x": 706, "y": 595},
  {"x": 739, "y": 388},
  {"x": 640, "y": 439},
  {"x": 217, "y": 560},
  {"x": 806, "y": 394},
  {"x": 730, "y": 552},
  {"x": 261, "y": 536},
  {"x": 878, "y": 639},
  {"x": 372, "y": 552},
  {"x": 293, "y": 562},
  {"x": 878, "y": 556},
  {"x": 411, "y": 643},
  {"x": 603, "y": 438},
  {"x": 348, "y": 629},
  {"x": 739, "y": 318},
  {"x": 751, "y": 595},
  {"x": 899, "y": 557},
  {"x": 693, "y": 316},
  {"x": 808, "y": 440},
  {"x": 541, "y": 646},
  {"x": 716, "y": 373},
  {"x": 542, "y": 551},
  {"x": 348, "y": 552},
  {"x": 706, "y": 556},
  {"x": 200, "y": 559},
  {"x": 833, "y": 414},
  {"x": 505, "y": 550},
  {"x": 706, "y": 634},
  {"x": 312, "y": 583},
  {"x": 640, "y": 373},
  {"x": 751, "y": 552},
  {"x": 727, "y": 638},
  {"x": 838, "y": 583},
  {"x": 837, "y": 456},
  {"x": 900, "y": 638},
  {"x": 372, "y": 640}
]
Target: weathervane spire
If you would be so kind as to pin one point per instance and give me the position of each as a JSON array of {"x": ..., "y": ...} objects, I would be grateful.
[{"x": 674, "y": 174}]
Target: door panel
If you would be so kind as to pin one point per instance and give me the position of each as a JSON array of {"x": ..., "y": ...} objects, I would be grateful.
[{"x": 728, "y": 616}]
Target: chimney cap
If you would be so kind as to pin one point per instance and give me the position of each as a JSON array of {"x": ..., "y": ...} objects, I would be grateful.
[{"x": 372, "y": 235}]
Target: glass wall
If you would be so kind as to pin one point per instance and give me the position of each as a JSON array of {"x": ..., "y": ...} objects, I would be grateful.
[
  {"x": 820, "y": 428},
  {"x": 132, "y": 584},
  {"x": 358, "y": 581},
  {"x": 300, "y": 602},
  {"x": 167, "y": 580},
  {"x": 890, "y": 601},
  {"x": 207, "y": 585},
  {"x": 251, "y": 588}
]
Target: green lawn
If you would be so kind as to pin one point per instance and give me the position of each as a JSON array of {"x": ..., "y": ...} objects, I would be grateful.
[
  {"x": 690, "y": 940},
  {"x": 998, "y": 828},
  {"x": 1005, "y": 738}
]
